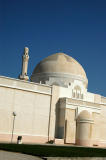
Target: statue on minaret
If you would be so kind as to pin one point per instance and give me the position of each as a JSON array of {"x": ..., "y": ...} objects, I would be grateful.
[{"x": 25, "y": 59}]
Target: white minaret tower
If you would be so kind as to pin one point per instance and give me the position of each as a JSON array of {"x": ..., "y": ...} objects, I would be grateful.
[{"x": 25, "y": 59}]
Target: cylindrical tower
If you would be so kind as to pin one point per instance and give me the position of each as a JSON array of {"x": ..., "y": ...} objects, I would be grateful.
[{"x": 84, "y": 129}]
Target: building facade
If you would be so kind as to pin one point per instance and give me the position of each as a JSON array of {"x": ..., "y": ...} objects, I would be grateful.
[{"x": 54, "y": 105}]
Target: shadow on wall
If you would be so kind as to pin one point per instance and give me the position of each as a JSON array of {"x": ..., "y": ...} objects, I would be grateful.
[{"x": 59, "y": 129}]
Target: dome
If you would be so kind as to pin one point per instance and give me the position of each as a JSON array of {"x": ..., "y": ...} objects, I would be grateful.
[
  {"x": 84, "y": 115},
  {"x": 59, "y": 65}
]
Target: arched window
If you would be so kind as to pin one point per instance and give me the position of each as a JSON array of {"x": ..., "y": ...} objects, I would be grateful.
[{"x": 76, "y": 92}]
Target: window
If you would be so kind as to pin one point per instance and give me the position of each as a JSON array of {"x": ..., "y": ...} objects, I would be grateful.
[{"x": 76, "y": 92}]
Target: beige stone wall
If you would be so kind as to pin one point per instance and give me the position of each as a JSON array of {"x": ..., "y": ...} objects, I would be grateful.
[
  {"x": 97, "y": 98},
  {"x": 102, "y": 123},
  {"x": 89, "y": 97},
  {"x": 24, "y": 85},
  {"x": 93, "y": 108},
  {"x": 99, "y": 127},
  {"x": 35, "y": 106},
  {"x": 70, "y": 126},
  {"x": 31, "y": 105},
  {"x": 102, "y": 126},
  {"x": 103, "y": 100},
  {"x": 52, "y": 120},
  {"x": 31, "y": 139},
  {"x": 96, "y": 129}
]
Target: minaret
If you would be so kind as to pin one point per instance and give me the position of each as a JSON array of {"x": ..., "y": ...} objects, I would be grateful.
[{"x": 25, "y": 59}]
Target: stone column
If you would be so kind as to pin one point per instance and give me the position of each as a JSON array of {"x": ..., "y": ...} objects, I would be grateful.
[{"x": 54, "y": 100}]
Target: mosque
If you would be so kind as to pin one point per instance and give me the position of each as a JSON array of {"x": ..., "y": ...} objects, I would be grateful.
[{"x": 54, "y": 106}]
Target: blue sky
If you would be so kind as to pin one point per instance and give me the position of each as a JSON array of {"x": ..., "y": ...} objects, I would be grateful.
[{"x": 77, "y": 27}]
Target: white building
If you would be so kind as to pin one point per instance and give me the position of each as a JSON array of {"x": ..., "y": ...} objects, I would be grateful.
[{"x": 53, "y": 106}]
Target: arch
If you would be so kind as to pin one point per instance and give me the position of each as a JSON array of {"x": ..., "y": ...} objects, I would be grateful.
[
  {"x": 77, "y": 88},
  {"x": 76, "y": 92}
]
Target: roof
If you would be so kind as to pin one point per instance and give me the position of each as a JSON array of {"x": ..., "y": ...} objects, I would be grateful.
[{"x": 60, "y": 63}]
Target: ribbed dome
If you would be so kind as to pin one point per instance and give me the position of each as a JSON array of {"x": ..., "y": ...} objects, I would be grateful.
[{"x": 62, "y": 64}]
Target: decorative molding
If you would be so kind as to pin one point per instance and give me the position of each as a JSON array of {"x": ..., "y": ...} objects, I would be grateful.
[
  {"x": 25, "y": 89},
  {"x": 85, "y": 106},
  {"x": 59, "y": 75},
  {"x": 15, "y": 82},
  {"x": 85, "y": 121},
  {"x": 23, "y": 81}
]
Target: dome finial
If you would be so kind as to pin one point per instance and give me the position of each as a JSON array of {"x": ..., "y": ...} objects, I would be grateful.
[{"x": 26, "y": 50}]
